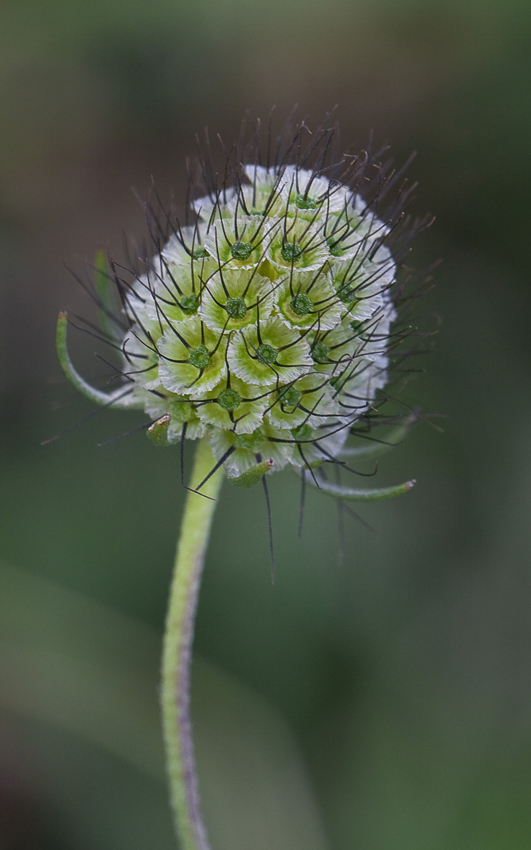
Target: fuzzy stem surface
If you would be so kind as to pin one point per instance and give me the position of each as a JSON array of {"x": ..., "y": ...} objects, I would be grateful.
[{"x": 177, "y": 651}]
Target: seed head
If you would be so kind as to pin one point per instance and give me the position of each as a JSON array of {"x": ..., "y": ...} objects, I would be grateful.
[{"x": 266, "y": 323}]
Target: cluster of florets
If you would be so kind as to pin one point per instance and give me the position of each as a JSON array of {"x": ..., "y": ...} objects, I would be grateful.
[{"x": 266, "y": 324}]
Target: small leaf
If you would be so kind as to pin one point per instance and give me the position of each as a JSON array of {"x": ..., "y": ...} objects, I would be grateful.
[
  {"x": 352, "y": 495},
  {"x": 253, "y": 475},
  {"x": 158, "y": 432}
]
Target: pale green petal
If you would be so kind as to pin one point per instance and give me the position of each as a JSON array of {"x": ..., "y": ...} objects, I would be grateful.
[
  {"x": 298, "y": 244},
  {"x": 234, "y": 298},
  {"x": 257, "y": 200},
  {"x": 155, "y": 399},
  {"x": 185, "y": 244},
  {"x": 346, "y": 235},
  {"x": 309, "y": 399},
  {"x": 140, "y": 357},
  {"x": 266, "y": 442},
  {"x": 246, "y": 404},
  {"x": 280, "y": 354},
  {"x": 264, "y": 193},
  {"x": 240, "y": 243},
  {"x": 262, "y": 177},
  {"x": 363, "y": 284},
  {"x": 210, "y": 207},
  {"x": 332, "y": 351},
  {"x": 311, "y": 197},
  {"x": 179, "y": 346},
  {"x": 308, "y": 300},
  {"x": 177, "y": 290},
  {"x": 356, "y": 388}
]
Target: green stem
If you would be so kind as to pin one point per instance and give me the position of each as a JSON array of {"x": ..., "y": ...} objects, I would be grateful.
[{"x": 177, "y": 652}]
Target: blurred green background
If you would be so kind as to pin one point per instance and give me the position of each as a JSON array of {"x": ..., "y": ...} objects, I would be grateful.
[{"x": 384, "y": 704}]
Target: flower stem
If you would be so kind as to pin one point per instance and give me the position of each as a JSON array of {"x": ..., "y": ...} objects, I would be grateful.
[{"x": 177, "y": 651}]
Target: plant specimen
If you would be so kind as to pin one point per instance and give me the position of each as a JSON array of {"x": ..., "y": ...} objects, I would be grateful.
[{"x": 263, "y": 327}]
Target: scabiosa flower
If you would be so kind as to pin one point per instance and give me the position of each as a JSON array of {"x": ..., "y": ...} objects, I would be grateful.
[
  {"x": 272, "y": 313},
  {"x": 264, "y": 326}
]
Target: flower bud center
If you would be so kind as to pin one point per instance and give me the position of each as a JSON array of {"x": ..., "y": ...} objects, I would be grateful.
[
  {"x": 199, "y": 357},
  {"x": 266, "y": 353},
  {"x": 320, "y": 352},
  {"x": 189, "y": 303},
  {"x": 291, "y": 251},
  {"x": 289, "y": 399},
  {"x": 301, "y": 304},
  {"x": 229, "y": 399},
  {"x": 199, "y": 253},
  {"x": 306, "y": 202},
  {"x": 236, "y": 308},
  {"x": 241, "y": 250}
]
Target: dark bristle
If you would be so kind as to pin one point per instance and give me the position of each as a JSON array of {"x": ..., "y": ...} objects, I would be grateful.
[
  {"x": 215, "y": 468},
  {"x": 85, "y": 419},
  {"x": 142, "y": 427}
]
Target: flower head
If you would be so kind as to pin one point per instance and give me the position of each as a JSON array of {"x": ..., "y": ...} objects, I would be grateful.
[{"x": 266, "y": 324}]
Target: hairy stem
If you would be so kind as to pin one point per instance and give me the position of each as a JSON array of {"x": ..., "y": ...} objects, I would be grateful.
[{"x": 177, "y": 652}]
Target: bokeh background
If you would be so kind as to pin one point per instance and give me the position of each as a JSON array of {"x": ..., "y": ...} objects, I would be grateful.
[{"x": 381, "y": 704}]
